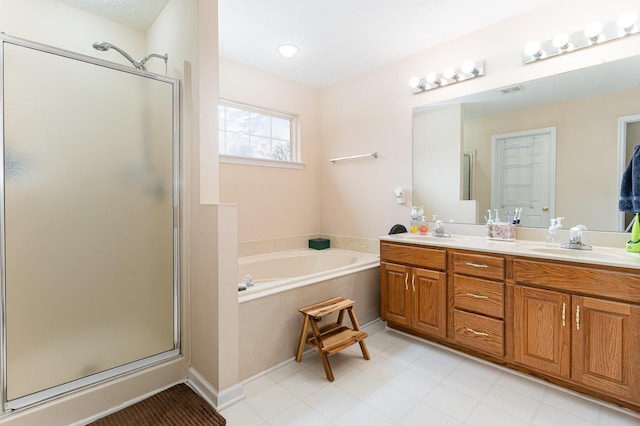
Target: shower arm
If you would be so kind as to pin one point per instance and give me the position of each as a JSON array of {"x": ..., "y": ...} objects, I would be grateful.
[{"x": 140, "y": 63}]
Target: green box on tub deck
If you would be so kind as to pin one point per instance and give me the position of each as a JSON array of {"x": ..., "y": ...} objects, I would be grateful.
[{"x": 319, "y": 243}]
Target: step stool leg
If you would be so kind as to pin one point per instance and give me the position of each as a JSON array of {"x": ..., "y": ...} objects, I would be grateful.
[
  {"x": 326, "y": 366},
  {"x": 365, "y": 351},
  {"x": 303, "y": 338},
  {"x": 323, "y": 356},
  {"x": 356, "y": 326}
]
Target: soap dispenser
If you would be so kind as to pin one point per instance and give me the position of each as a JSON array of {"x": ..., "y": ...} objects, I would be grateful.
[
  {"x": 423, "y": 228},
  {"x": 413, "y": 226},
  {"x": 552, "y": 236}
]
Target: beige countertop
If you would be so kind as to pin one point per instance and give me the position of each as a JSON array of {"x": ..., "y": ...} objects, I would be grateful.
[{"x": 599, "y": 255}]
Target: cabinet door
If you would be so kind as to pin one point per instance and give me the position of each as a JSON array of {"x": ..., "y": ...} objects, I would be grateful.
[
  {"x": 542, "y": 330},
  {"x": 429, "y": 300},
  {"x": 395, "y": 297},
  {"x": 606, "y": 344}
]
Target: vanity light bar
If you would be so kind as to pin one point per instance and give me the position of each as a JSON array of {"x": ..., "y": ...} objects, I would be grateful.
[
  {"x": 469, "y": 70},
  {"x": 594, "y": 34}
]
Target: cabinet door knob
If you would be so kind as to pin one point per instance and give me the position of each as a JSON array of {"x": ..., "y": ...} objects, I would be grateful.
[{"x": 545, "y": 209}]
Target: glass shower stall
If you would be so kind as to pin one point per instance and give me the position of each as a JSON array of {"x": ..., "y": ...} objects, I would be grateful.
[{"x": 89, "y": 220}]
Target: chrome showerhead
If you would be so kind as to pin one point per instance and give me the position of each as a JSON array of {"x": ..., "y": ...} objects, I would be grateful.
[{"x": 102, "y": 46}]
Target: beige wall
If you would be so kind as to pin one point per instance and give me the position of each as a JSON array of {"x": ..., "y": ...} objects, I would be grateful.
[
  {"x": 373, "y": 111},
  {"x": 273, "y": 202}
]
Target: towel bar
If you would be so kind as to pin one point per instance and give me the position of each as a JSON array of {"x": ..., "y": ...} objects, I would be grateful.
[{"x": 353, "y": 157}]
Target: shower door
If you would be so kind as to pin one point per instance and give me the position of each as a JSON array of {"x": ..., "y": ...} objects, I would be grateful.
[{"x": 89, "y": 221}]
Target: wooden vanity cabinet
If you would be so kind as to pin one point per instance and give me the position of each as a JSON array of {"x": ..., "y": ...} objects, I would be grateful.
[
  {"x": 414, "y": 297},
  {"x": 586, "y": 339},
  {"x": 575, "y": 324},
  {"x": 478, "y": 301},
  {"x": 542, "y": 330},
  {"x": 606, "y": 346}
]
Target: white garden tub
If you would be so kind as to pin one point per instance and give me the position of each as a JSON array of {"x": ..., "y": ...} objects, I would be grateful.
[{"x": 280, "y": 271}]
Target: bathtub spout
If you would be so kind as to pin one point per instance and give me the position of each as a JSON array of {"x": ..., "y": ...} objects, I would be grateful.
[{"x": 247, "y": 280}]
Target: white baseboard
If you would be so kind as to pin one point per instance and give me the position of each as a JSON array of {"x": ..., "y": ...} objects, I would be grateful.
[{"x": 218, "y": 399}]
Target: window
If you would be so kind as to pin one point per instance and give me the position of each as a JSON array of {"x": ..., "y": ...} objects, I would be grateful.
[{"x": 254, "y": 133}]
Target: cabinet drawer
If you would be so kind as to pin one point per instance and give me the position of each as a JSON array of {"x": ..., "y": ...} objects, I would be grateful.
[
  {"x": 478, "y": 332},
  {"x": 478, "y": 295},
  {"x": 479, "y": 265},
  {"x": 413, "y": 255},
  {"x": 587, "y": 279}
]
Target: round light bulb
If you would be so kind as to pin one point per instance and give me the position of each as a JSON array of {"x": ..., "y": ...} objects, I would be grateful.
[
  {"x": 561, "y": 41},
  {"x": 627, "y": 20},
  {"x": 414, "y": 82},
  {"x": 288, "y": 50},
  {"x": 532, "y": 49},
  {"x": 593, "y": 30},
  {"x": 449, "y": 73},
  {"x": 431, "y": 78},
  {"x": 468, "y": 67}
]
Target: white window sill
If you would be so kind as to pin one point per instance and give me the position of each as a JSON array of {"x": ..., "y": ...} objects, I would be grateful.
[{"x": 261, "y": 162}]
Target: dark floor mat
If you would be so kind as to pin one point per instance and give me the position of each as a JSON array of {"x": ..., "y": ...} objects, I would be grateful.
[{"x": 176, "y": 406}]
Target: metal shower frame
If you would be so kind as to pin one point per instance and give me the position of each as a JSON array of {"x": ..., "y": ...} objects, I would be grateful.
[{"x": 107, "y": 375}]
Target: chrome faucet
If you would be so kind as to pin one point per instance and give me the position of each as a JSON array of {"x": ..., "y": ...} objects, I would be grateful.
[
  {"x": 575, "y": 239},
  {"x": 438, "y": 231}
]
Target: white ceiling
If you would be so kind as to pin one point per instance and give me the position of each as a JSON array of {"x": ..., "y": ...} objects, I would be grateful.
[
  {"x": 138, "y": 14},
  {"x": 340, "y": 39}
]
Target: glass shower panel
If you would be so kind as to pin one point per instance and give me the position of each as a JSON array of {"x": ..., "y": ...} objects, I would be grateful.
[{"x": 89, "y": 226}]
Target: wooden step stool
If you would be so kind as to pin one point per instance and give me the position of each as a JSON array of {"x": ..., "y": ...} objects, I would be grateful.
[{"x": 333, "y": 337}]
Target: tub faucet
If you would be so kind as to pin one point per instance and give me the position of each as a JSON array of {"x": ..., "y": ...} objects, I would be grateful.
[
  {"x": 575, "y": 239},
  {"x": 247, "y": 280}
]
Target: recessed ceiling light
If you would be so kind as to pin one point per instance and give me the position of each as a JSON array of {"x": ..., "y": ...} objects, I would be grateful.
[{"x": 288, "y": 50}]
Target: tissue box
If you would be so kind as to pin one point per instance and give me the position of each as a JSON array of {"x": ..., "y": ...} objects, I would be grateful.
[
  {"x": 319, "y": 243},
  {"x": 501, "y": 231}
]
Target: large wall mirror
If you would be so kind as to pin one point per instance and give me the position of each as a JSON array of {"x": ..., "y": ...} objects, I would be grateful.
[{"x": 595, "y": 116}]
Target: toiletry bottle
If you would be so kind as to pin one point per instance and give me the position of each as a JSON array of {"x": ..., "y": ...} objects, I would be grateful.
[
  {"x": 424, "y": 227},
  {"x": 552, "y": 236},
  {"x": 413, "y": 228}
]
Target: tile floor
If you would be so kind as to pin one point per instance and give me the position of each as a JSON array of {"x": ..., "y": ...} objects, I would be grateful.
[{"x": 409, "y": 382}]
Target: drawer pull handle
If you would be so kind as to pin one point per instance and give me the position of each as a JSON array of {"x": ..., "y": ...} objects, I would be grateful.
[
  {"x": 477, "y": 333},
  {"x": 564, "y": 307},
  {"x": 476, "y": 265},
  {"x": 406, "y": 281},
  {"x": 477, "y": 296},
  {"x": 413, "y": 283},
  {"x": 578, "y": 317}
]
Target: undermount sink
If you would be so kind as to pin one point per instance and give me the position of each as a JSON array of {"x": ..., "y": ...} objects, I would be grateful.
[{"x": 584, "y": 254}]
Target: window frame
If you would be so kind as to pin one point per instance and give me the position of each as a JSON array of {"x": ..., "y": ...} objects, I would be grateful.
[{"x": 294, "y": 147}]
